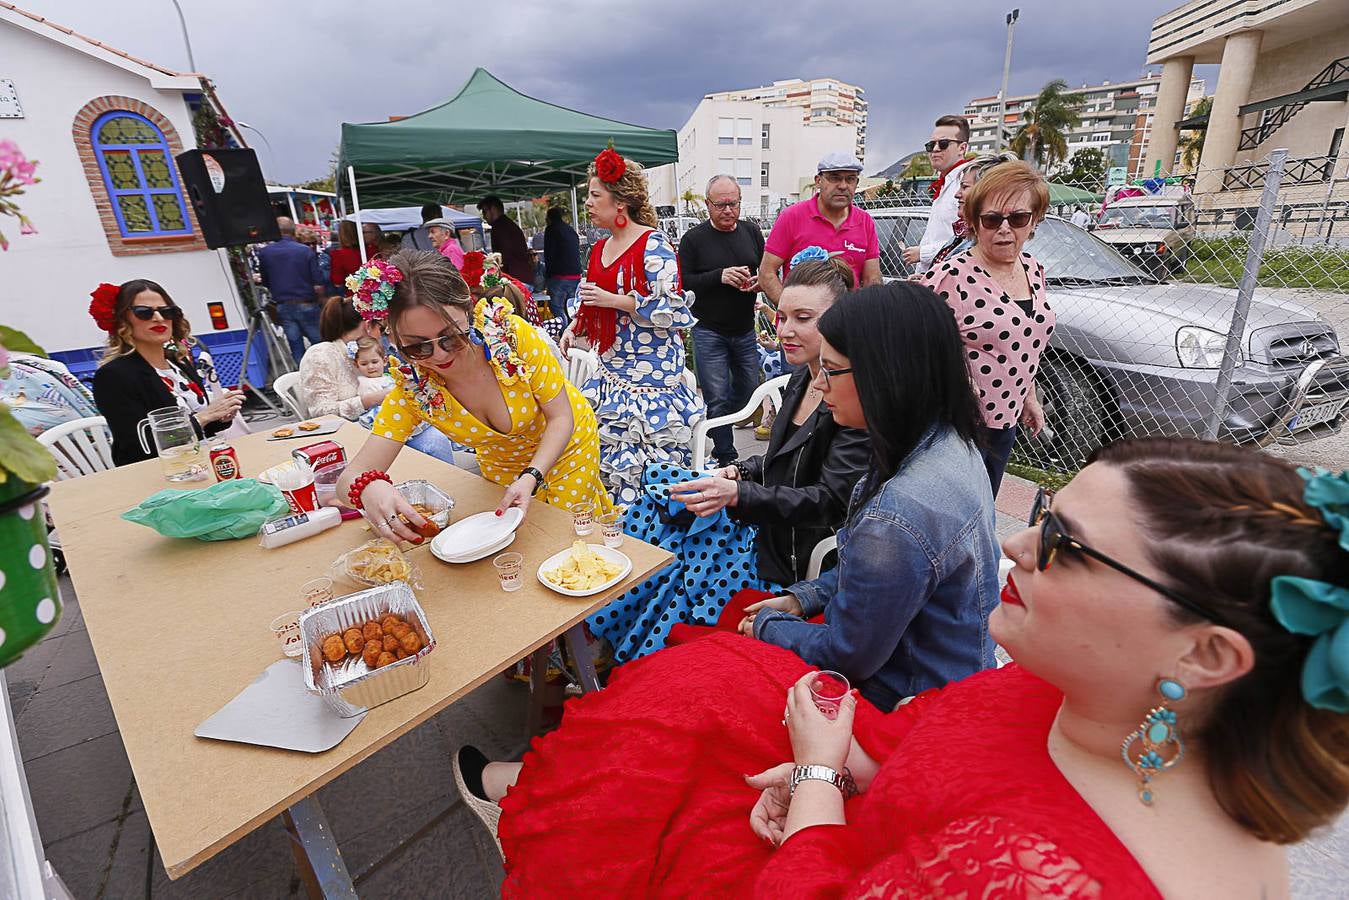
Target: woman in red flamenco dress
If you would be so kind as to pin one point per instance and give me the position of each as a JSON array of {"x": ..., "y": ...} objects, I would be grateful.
[{"x": 1194, "y": 588}]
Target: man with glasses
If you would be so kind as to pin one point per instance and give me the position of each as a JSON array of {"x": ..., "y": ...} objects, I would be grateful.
[
  {"x": 946, "y": 150},
  {"x": 718, "y": 260},
  {"x": 828, "y": 220}
]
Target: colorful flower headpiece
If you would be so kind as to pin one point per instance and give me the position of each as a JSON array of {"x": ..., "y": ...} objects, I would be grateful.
[
  {"x": 609, "y": 166},
  {"x": 352, "y": 349},
  {"x": 372, "y": 288},
  {"x": 1318, "y": 608},
  {"x": 810, "y": 253},
  {"x": 104, "y": 306},
  {"x": 482, "y": 271}
]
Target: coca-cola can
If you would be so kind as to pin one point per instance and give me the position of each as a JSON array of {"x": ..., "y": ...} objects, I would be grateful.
[
  {"x": 224, "y": 462},
  {"x": 324, "y": 453}
]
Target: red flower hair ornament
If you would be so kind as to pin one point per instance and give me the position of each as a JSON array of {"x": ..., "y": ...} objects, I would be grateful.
[
  {"x": 104, "y": 306},
  {"x": 609, "y": 166},
  {"x": 473, "y": 268}
]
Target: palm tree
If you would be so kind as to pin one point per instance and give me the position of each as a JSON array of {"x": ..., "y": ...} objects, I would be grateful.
[
  {"x": 919, "y": 166},
  {"x": 1191, "y": 143},
  {"x": 689, "y": 198},
  {"x": 1041, "y": 138}
]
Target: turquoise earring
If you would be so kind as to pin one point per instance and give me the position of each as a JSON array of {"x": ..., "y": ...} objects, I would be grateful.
[{"x": 1156, "y": 745}]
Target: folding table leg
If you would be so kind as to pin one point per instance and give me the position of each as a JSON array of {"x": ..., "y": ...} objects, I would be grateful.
[
  {"x": 580, "y": 656},
  {"x": 538, "y": 680},
  {"x": 316, "y": 853}
]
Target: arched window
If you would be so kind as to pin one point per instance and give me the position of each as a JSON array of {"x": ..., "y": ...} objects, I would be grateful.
[{"x": 138, "y": 171}]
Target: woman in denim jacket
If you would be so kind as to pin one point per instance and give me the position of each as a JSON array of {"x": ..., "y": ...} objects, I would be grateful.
[{"x": 907, "y": 607}]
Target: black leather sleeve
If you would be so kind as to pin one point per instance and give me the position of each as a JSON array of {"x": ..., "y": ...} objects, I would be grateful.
[
  {"x": 821, "y": 504},
  {"x": 120, "y": 402},
  {"x": 752, "y": 469}
]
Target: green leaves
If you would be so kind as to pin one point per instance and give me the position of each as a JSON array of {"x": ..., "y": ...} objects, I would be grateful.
[
  {"x": 16, "y": 341},
  {"x": 21, "y": 454}
]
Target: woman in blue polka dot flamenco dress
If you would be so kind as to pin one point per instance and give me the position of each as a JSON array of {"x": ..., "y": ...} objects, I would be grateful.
[
  {"x": 29, "y": 601},
  {"x": 630, "y": 310},
  {"x": 483, "y": 377}
]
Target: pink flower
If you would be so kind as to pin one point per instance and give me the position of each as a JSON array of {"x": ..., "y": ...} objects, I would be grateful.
[
  {"x": 4, "y": 358},
  {"x": 26, "y": 227}
]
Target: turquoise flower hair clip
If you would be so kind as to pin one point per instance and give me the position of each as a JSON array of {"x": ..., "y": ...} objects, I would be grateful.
[
  {"x": 808, "y": 254},
  {"x": 1317, "y": 608}
]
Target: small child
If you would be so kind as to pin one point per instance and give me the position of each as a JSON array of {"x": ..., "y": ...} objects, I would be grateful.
[{"x": 367, "y": 356}]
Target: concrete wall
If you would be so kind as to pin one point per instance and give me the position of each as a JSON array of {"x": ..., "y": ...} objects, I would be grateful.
[
  {"x": 45, "y": 279},
  {"x": 1286, "y": 70}
]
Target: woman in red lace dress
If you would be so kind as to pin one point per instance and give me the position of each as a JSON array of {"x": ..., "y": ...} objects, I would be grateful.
[{"x": 1198, "y": 589}]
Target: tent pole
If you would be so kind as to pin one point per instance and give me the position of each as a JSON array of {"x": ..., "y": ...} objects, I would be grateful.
[
  {"x": 290, "y": 201},
  {"x": 356, "y": 202},
  {"x": 575, "y": 222}
]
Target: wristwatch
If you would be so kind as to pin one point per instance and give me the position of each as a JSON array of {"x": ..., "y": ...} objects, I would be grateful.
[
  {"x": 539, "y": 483},
  {"x": 841, "y": 780}
]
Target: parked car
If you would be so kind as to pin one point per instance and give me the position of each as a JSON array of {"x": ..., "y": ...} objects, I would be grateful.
[
  {"x": 1154, "y": 232},
  {"x": 1134, "y": 354}
]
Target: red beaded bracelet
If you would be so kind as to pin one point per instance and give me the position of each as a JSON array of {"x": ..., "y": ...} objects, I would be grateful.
[{"x": 363, "y": 481}]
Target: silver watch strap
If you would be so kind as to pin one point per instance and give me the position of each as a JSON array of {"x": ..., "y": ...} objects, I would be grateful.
[{"x": 816, "y": 773}]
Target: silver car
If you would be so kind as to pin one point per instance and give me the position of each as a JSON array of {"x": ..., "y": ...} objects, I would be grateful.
[{"x": 1135, "y": 355}]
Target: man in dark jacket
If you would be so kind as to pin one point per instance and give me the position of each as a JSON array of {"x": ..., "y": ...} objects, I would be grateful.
[
  {"x": 561, "y": 262},
  {"x": 718, "y": 261},
  {"x": 290, "y": 271},
  {"x": 507, "y": 239}
]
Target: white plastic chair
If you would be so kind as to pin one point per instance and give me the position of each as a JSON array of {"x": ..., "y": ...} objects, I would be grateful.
[
  {"x": 772, "y": 389},
  {"x": 817, "y": 555},
  {"x": 581, "y": 365},
  {"x": 287, "y": 387},
  {"x": 81, "y": 447}
]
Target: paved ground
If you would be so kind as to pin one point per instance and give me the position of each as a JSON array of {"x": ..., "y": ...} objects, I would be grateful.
[{"x": 97, "y": 836}]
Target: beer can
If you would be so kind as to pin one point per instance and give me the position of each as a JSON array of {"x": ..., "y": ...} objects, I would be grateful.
[{"x": 224, "y": 462}]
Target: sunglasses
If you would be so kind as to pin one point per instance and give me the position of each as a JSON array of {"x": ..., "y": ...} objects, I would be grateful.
[
  {"x": 450, "y": 343},
  {"x": 993, "y": 221},
  {"x": 942, "y": 144},
  {"x": 146, "y": 313},
  {"x": 1054, "y": 538}
]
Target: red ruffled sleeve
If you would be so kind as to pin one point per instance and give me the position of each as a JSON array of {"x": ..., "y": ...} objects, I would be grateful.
[{"x": 880, "y": 733}]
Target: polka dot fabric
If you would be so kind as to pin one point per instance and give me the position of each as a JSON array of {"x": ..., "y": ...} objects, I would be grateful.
[
  {"x": 1003, "y": 341},
  {"x": 714, "y": 558},
  {"x": 27, "y": 578},
  {"x": 576, "y": 475}
]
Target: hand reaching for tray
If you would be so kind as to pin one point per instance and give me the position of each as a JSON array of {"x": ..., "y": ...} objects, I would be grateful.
[{"x": 383, "y": 508}]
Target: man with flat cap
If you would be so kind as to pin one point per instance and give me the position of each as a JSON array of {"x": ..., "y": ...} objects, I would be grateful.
[
  {"x": 827, "y": 220},
  {"x": 443, "y": 238}
]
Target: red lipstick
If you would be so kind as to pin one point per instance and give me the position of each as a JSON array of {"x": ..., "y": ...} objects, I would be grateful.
[{"x": 1010, "y": 595}]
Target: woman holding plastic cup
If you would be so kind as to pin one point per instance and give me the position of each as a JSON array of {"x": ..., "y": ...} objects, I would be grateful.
[{"x": 484, "y": 378}]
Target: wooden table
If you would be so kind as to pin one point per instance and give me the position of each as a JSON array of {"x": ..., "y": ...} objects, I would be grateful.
[{"x": 207, "y": 606}]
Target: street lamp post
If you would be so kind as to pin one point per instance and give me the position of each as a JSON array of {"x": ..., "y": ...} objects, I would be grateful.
[
  {"x": 1006, "y": 70},
  {"x": 191, "y": 63},
  {"x": 270, "y": 152}
]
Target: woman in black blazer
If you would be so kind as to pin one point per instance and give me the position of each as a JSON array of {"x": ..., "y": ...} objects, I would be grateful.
[{"x": 147, "y": 366}]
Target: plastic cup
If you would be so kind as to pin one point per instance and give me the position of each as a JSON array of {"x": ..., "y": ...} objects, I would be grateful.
[
  {"x": 316, "y": 591},
  {"x": 611, "y": 524},
  {"x": 583, "y": 518},
  {"x": 296, "y": 483},
  {"x": 509, "y": 566},
  {"x": 828, "y": 689},
  {"x": 286, "y": 627},
  {"x": 325, "y": 483}
]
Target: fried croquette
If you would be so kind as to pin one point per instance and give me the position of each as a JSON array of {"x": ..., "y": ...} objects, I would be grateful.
[
  {"x": 372, "y": 631},
  {"x": 354, "y": 640},
  {"x": 372, "y": 652},
  {"x": 388, "y": 621},
  {"x": 334, "y": 650},
  {"x": 401, "y": 629},
  {"x": 410, "y": 642},
  {"x": 402, "y": 654},
  {"x": 385, "y": 659}
]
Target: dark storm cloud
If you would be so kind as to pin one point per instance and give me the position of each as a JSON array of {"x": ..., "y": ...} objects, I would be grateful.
[{"x": 298, "y": 70}]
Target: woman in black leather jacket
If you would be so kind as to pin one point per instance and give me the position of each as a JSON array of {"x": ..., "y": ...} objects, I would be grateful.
[{"x": 797, "y": 491}]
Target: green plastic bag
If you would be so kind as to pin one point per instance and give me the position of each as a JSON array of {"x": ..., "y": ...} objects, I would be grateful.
[{"x": 225, "y": 510}]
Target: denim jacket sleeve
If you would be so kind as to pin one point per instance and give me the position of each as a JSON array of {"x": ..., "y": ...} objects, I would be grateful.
[{"x": 868, "y": 607}]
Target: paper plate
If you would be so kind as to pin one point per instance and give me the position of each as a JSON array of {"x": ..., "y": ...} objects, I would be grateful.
[
  {"x": 477, "y": 555},
  {"x": 608, "y": 553},
  {"x": 476, "y": 534}
]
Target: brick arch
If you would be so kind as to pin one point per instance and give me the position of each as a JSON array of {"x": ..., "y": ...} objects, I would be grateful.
[{"x": 81, "y": 132}]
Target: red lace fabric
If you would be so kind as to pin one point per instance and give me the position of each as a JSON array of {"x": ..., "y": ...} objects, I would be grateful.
[
  {"x": 599, "y": 324},
  {"x": 641, "y": 793}
]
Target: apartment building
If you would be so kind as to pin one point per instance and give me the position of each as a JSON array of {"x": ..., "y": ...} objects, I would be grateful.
[
  {"x": 1116, "y": 118},
  {"x": 768, "y": 138}
]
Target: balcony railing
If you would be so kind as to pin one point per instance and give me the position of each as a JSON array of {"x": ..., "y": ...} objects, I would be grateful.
[{"x": 1306, "y": 170}]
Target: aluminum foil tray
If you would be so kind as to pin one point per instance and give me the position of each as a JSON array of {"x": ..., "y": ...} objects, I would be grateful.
[
  {"x": 351, "y": 687},
  {"x": 426, "y": 493}
]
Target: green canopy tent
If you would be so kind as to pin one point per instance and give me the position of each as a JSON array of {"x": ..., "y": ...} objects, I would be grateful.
[
  {"x": 489, "y": 138},
  {"x": 1067, "y": 195}
]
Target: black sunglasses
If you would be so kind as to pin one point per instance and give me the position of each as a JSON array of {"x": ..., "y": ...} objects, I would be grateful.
[
  {"x": 993, "y": 221},
  {"x": 146, "y": 313},
  {"x": 1054, "y": 537},
  {"x": 450, "y": 343},
  {"x": 943, "y": 143}
]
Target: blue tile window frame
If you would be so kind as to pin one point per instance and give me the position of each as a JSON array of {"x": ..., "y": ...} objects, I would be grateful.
[{"x": 148, "y": 193}]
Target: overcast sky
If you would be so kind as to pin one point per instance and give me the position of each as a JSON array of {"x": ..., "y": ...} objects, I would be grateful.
[{"x": 297, "y": 70}]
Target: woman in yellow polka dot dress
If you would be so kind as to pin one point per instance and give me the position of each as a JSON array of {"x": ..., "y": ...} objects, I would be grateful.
[{"x": 492, "y": 384}]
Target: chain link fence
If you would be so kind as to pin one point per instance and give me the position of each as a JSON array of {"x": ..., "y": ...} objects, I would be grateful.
[{"x": 1213, "y": 305}]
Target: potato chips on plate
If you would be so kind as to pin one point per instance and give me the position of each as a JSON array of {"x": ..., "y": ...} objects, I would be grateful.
[{"x": 584, "y": 569}]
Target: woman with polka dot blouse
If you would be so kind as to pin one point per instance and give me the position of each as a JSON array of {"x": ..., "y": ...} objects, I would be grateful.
[
  {"x": 997, "y": 292},
  {"x": 487, "y": 380}
]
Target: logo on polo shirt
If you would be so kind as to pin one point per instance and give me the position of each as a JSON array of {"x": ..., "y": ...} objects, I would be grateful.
[{"x": 853, "y": 248}]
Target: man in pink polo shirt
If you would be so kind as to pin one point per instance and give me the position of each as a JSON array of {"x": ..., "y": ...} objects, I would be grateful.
[
  {"x": 443, "y": 238},
  {"x": 827, "y": 220}
]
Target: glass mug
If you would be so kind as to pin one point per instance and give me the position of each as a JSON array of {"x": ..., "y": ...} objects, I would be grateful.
[{"x": 175, "y": 441}]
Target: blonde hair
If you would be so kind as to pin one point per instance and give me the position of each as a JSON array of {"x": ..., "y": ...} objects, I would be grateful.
[
  {"x": 120, "y": 342},
  {"x": 366, "y": 342},
  {"x": 630, "y": 192}
]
